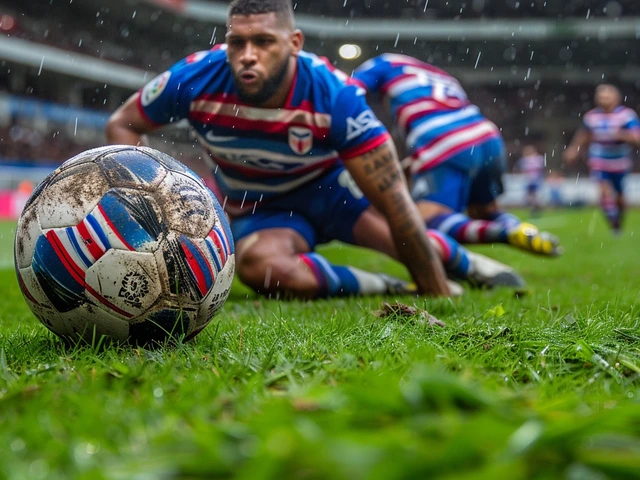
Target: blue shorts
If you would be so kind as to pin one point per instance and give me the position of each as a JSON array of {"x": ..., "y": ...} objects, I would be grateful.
[
  {"x": 324, "y": 209},
  {"x": 616, "y": 179},
  {"x": 473, "y": 176}
]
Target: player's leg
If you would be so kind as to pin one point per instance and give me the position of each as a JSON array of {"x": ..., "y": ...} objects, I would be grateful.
[
  {"x": 611, "y": 198},
  {"x": 274, "y": 255},
  {"x": 347, "y": 216},
  {"x": 532, "y": 198},
  {"x": 617, "y": 182},
  {"x": 372, "y": 231},
  {"x": 267, "y": 260},
  {"x": 487, "y": 186},
  {"x": 442, "y": 194}
]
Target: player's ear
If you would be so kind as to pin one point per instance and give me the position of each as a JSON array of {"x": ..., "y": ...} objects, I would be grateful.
[{"x": 297, "y": 41}]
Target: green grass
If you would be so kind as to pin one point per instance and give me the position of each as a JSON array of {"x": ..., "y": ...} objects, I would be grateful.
[{"x": 545, "y": 385}]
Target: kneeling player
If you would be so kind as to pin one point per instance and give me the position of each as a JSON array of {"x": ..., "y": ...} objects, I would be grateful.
[
  {"x": 287, "y": 132},
  {"x": 457, "y": 156}
]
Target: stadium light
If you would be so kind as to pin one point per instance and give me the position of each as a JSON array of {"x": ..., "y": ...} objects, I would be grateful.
[{"x": 349, "y": 51}]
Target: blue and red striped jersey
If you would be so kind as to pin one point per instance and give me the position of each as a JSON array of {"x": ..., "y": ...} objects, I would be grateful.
[
  {"x": 606, "y": 152},
  {"x": 428, "y": 105},
  {"x": 260, "y": 153}
]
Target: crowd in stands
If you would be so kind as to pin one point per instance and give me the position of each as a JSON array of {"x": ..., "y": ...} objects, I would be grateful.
[
  {"x": 24, "y": 144},
  {"x": 544, "y": 116},
  {"x": 416, "y": 9},
  {"x": 163, "y": 37}
]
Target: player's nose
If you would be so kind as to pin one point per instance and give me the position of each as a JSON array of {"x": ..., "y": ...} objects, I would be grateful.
[{"x": 249, "y": 54}]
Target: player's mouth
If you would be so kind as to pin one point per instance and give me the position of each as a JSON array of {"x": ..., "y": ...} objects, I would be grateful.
[{"x": 248, "y": 77}]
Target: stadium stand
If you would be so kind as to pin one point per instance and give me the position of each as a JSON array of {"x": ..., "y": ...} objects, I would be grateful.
[{"x": 520, "y": 82}]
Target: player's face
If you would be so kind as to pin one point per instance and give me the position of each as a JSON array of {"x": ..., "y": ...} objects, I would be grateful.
[
  {"x": 607, "y": 97},
  {"x": 261, "y": 50}
]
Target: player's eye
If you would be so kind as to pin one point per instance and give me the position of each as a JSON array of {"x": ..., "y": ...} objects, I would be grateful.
[
  {"x": 235, "y": 43},
  {"x": 263, "y": 42}
]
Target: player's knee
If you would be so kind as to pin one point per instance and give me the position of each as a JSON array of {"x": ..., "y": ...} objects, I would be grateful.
[{"x": 264, "y": 274}]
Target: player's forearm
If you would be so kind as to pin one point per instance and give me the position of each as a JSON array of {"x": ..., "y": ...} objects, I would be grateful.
[
  {"x": 379, "y": 176},
  {"x": 414, "y": 249},
  {"x": 579, "y": 141},
  {"x": 632, "y": 137}
]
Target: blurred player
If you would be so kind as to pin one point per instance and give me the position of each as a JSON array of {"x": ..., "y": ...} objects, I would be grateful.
[
  {"x": 277, "y": 121},
  {"x": 457, "y": 156},
  {"x": 612, "y": 131},
  {"x": 555, "y": 181},
  {"x": 531, "y": 164}
]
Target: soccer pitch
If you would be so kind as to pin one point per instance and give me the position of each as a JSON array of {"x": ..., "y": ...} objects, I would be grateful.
[{"x": 545, "y": 384}]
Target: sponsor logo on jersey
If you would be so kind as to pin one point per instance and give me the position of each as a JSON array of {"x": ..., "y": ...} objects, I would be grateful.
[
  {"x": 219, "y": 138},
  {"x": 300, "y": 139},
  {"x": 154, "y": 88},
  {"x": 363, "y": 122}
]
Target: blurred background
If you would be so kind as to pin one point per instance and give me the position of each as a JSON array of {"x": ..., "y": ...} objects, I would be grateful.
[{"x": 530, "y": 65}]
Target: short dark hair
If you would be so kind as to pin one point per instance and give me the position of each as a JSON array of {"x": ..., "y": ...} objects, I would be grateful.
[{"x": 254, "y": 7}]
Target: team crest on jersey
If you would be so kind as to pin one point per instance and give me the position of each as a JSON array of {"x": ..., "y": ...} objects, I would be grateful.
[
  {"x": 300, "y": 139},
  {"x": 154, "y": 88}
]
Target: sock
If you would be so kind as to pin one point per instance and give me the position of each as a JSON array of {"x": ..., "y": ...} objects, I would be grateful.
[
  {"x": 611, "y": 212},
  {"x": 508, "y": 220},
  {"x": 466, "y": 230},
  {"x": 334, "y": 280},
  {"x": 454, "y": 256}
]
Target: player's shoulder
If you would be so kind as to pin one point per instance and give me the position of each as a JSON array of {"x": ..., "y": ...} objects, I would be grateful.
[
  {"x": 217, "y": 56},
  {"x": 320, "y": 70},
  {"x": 325, "y": 80},
  {"x": 628, "y": 113},
  {"x": 593, "y": 113}
]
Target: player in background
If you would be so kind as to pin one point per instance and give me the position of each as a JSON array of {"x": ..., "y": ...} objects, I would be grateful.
[
  {"x": 456, "y": 156},
  {"x": 612, "y": 132},
  {"x": 298, "y": 157},
  {"x": 555, "y": 181},
  {"x": 531, "y": 165}
]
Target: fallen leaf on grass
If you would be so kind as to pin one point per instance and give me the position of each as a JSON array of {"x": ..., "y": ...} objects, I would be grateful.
[{"x": 400, "y": 310}]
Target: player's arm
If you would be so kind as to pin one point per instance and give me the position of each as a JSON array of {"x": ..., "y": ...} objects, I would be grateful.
[
  {"x": 378, "y": 174},
  {"x": 127, "y": 125},
  {"x": 578, "y": 143},
  {"x": 630, "y": 136}
]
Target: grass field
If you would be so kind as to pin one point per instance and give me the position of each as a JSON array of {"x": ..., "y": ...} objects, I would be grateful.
[{"x": 545, "y": 385}]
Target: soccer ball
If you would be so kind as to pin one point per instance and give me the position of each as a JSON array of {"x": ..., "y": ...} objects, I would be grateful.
[{"x": 124, "y": 242}]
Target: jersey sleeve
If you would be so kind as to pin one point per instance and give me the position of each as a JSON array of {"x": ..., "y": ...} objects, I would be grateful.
[
  {"x": 354, "y": 127},
  {"x": 586, "y": 125},
  {"x": 370, "y": 74},
  {"x": 633, "y": 123},
  {"x": 165, "y": 99}
]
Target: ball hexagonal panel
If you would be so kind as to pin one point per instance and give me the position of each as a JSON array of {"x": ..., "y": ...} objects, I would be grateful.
[
  {"x": 124, "y": 282},
  {"x": 70, "y": 195},
  {"x": 186, "y": 204},
  {"x": 132, "y": 167}
]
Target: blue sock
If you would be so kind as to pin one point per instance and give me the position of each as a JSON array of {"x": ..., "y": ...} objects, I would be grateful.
[{"x": 332, "y": 280}]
